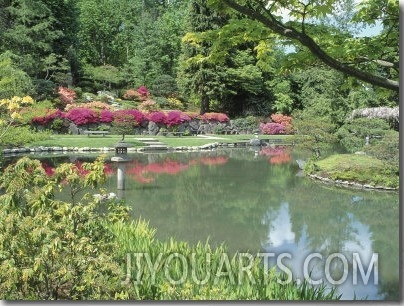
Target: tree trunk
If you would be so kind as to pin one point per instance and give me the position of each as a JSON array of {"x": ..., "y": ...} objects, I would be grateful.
[{"x": 204, "y": 104}]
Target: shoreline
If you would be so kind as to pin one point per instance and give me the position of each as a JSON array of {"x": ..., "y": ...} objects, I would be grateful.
[{"x": 350, "y": 184}]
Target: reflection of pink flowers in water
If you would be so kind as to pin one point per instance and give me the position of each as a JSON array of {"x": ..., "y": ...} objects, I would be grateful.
[
  {"x": 108, "y": 170},
  {"x": 49, "y": 170},
  {"x": 219, "y": 160},
  {"x": 278, "y": 155},
  {"x": 144, "y": 173}
]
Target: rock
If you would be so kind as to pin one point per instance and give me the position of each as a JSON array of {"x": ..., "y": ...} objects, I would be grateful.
[
  {"x": 301, "y": 163},
  {"x": 152, "y": 128},
  {"x": 255, "y": 142}
]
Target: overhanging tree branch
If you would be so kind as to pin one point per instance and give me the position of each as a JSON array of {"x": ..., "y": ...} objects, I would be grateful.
[{"x": 291, "y": 33}]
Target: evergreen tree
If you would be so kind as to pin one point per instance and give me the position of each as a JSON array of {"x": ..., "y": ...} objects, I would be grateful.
[{"x": 198, "y": 77}]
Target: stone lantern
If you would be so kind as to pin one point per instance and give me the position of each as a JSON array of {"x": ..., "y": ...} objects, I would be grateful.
[{"x": 121, "y": 157}]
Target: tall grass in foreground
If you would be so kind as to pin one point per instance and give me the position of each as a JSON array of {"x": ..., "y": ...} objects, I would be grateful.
[{"x": 173, "y": 270}]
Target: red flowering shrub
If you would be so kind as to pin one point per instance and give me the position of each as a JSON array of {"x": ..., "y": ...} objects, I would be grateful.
[
  {"x": 66, "y": 95},
  {"x": 272, "y": 128},
  {"x": 49, "y": 117},
  {"x": 157, "y": 117},
  {"x": 81, "y": 116},
  {"x": 215, "y": 117}
]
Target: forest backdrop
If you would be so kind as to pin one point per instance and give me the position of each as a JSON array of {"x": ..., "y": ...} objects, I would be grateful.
[{"x": 238, "y": 57}]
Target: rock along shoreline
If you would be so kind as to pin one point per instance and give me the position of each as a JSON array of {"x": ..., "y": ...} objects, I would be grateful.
[{"x": 350, "y": 184}]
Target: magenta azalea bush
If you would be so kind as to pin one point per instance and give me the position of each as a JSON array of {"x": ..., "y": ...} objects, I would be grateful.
[
  {"x": 82, "y": 116},
  {"x": 157, "y": 117},
  {"x": 176, "y": 118},
  {"x": 106, "y": 116}
]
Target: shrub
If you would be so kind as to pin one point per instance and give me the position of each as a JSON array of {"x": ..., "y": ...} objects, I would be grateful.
[
  {"x": 91, "y": 105},
  {"x": 176, "y": 118},
  {"x": 175, "y": 103},
  {"x": 220, "y": 117},
  {"x": 247, "y": 123},
  {"x": 149, "y": 106},
  {"x": 286, "y": 121},
  {"x": 132, "y": 95},
  {"x": 353, "y": 133},
  {"x": 133, "y": 115},
  {"x": 59, "y": 125},
  {"x": 386, "y": 149},
  {"x": 272, "y": 128},
  {"x": 157, "y": 117},
  {"x": 49, "y": 117},
  {"x": 66, "y": 95},
  {"x": 106, "y": 116},
  {"x": 82, "y": 116},
  {"x": 21, "y": 136},
  {"x": 143, "y": 91},
  {"x": 63, "y": 250}
]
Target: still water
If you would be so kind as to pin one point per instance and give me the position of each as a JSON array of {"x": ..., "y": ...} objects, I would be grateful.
[{"x": 257, "y": 201}]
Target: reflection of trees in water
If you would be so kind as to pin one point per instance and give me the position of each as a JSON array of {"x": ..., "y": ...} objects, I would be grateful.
[{"x": 333, "y": 220}]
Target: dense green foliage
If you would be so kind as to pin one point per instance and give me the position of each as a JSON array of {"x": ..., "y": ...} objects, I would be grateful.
[
  {"x": 358, "y": 168},
  {"x": 353, "y": 133},
  {"x": 198, "y": 51}
]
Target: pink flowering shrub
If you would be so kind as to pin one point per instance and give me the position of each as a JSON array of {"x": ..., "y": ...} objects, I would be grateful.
[
  {"x": 280, "y": 124},
  {"x": 215, "y": 117},
  {"x": 106, "y": 116},
  {"x": 157, "y": 117},
  {"x": 286, "y": 121},
  {"x": 143, "y": 91},
  {"x": 66, "y": 95},
  {"x": 272, "y": 128},
  {"x": 81, "y": 116},
  {"x": 176, "y": 118}
]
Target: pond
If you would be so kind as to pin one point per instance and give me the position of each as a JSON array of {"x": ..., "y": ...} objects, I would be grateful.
[{"x": 258, "y": 202}]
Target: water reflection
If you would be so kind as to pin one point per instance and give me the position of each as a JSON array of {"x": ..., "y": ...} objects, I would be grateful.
[{"x": 281, "y": 239}]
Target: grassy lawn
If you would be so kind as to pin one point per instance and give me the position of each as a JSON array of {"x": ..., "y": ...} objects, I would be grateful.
[
  {"x": 357, "y": 168},
  {"x": 111, "y": 140}
]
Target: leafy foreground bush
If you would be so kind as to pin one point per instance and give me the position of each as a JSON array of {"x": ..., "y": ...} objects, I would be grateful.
[
  {"x": 52, "y": 249},
  {"x": 20, "y": 136}
]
